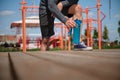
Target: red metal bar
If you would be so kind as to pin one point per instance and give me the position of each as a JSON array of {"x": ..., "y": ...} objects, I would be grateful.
[
  {"x": 31, "y": 7},
  {"x": 69, "y": 44},
  {"x": 86, "y": 11},
  {"x": 32, "y": 11},
  {"x": 23, "y": 25},
  {"x": 91, "y": 39},
  {"x": 101, "y": 22},
  {"x": 61, "y": 37},
  {"x": 103, "y": 16},
  {"x": 99, "y": 26},
  {"x": 65, "y": 31},
  {"x": 92, "y": 7}
]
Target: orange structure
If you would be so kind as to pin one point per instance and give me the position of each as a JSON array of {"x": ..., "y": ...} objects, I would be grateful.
[
  {"x": 89, "y": 24},
  {"x": 99, "y": 26},
  {"x": 23, "y": 25},
  {"x": 24, "y": 9},
  {"x": 33, "y": 21},
  {"x": 90, "y": 29}
]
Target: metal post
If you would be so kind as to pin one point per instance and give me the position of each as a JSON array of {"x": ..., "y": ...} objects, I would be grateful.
[
  {"x": 23, "y": 25},
  {"x": 91, "y": 41},
  {"x": 87, "y": 23},
  {"x": 69, "y": 43},
  {"x": 99, "y": 26},
  {"x": 65, "y": 37},
  {"x": 61, "y": 37}
]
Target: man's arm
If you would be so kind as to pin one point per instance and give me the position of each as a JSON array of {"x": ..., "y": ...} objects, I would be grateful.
[
  {"x": 57, "y": 12},
  {"x": 54, "y": 9}
]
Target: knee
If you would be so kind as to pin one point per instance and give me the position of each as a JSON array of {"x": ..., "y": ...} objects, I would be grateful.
[
  {"x": 78, "y": 8},
  {"x": 60, "y": 6}
]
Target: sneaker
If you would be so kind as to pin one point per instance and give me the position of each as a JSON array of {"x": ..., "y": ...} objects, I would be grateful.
[{"x": 83, "y": 47}]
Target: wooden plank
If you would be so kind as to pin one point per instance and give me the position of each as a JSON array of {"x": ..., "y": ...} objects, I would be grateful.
[
  {"x": 103, "y": 68},
  {"x": 4, "y": 67},
  {"x": 107, "y": 53},
  {"x": 32, "y": 68}
]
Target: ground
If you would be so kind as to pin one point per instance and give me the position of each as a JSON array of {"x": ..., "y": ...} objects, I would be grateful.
[{"x": 61, "y": 65}]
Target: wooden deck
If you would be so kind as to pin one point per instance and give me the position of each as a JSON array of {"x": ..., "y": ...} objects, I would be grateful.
[{"x": 60, "y": 65}]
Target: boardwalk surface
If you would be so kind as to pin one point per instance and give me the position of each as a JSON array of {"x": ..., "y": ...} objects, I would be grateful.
[{"x": 61, "y": 65}]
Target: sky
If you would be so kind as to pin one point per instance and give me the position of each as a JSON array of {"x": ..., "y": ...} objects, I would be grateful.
[{"x": 10, "y": 11}]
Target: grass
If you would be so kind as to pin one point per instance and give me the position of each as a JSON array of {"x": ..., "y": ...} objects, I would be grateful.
[
  {"x": 9, "y": 49},
  {"x": 12, "y": 49},
  {"x": 109, "y": 47}
]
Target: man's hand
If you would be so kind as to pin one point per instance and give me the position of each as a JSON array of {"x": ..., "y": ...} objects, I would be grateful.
[{"x": 70, "y": 23}]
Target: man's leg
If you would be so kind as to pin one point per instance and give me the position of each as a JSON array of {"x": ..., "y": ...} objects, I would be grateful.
[
  {"x": 44, "y": 44},
  {"x": 50, "y": 31},
  {"x": 47, "y": 31},
  {"x": 45, "y": 37},
  {"x": 76, "y": 10},
  {"x": 47, "y": 28},
  {"x": 49, "y": 42}
]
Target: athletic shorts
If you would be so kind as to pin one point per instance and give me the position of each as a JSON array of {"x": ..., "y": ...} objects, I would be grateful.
[{"x": 47, "y": 22}]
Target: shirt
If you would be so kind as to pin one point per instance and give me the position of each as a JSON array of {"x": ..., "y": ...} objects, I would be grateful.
[{"x": 51, "y": 5}]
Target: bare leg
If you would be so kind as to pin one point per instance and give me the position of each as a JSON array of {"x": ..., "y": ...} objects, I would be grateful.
[
  {"x": 44, "y": 44},
  {"x": 49, "y": 43},
  {"x": 76, "y": 10}
]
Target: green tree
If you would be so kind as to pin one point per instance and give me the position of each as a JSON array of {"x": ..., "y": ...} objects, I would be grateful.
[
  {"x": 105, "y": 33},
  {"x": 85, "y": 33},
  {"x": 95, "y": 34},
  {"x": 119, "y": 28},
  {"x": 95, "y": 37}
]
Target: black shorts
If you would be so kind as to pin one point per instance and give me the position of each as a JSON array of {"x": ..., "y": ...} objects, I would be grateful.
[
  {"x": 46, "y": 25},
  {"x": 65, "y": 11},
  {"x": 47, "y": 22}
]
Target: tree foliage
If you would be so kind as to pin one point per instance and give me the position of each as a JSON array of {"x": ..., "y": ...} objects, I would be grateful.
[
  {"x": 119, "y": 28},
  {"x": 85, "y": 33},
  {"x": 105, "y": 33},
  {"x": 95, "y": 34}
]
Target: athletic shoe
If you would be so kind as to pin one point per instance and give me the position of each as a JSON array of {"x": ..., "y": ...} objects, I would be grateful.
[{"x": 83, "y": 47}]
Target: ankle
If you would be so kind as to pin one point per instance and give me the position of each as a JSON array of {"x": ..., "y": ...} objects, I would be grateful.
[{"x": 43, "y": 47}]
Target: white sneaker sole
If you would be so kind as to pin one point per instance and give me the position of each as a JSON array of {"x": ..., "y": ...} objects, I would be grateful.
[{"x": 83, "y": 49}]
